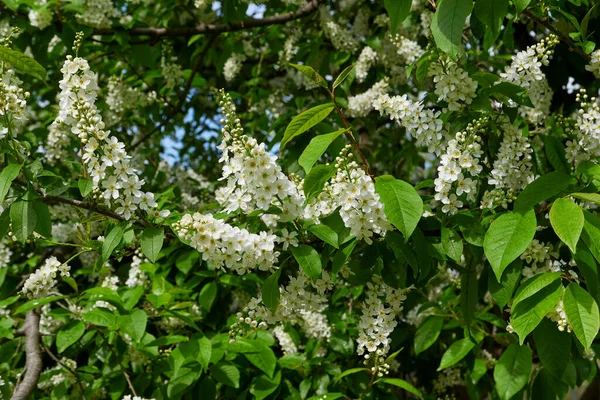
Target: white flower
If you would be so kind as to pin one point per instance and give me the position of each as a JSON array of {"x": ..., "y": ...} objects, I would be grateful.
[{"x": 41, "y": 282}]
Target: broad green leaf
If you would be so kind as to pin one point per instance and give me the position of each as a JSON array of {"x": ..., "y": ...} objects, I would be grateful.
[
  {"x": 100, "y": 317},
  {"x": 350, "y": 372},
  {"x": 316, "y": 179},
  {"x": 452, "y": 244},
  {"x": 204, "y": 352},
  {"x": 35, "y": 303},
  {"x": 308, "y": 259},
  {"x": 428, "y": 333},
  {"x": 507, "y": 238},
  {"x": 226, "y": 373},
  {"x": 43, "y": 222},
  {"x": 343, "y": 75},
  {"x": 553, "y": 347},
  {"x": 306, "y": 120},
  {"x": 69, "y": 334},
  {"x": 528, "y": 313},
  {"x": 270, "y": 291},
  {"x": 491, "y": 13},
  {"x": 263, "y": 386},
  {"x": 325, "y": 233},
  {"x": 567, "y": 220},
  {"x": 22, "y": 63},
  {"x": 590, "y": 197},
  {"x": 521, "y": 4},
  {"x": 456, "y": 352},
  {"x": 311, "y": 74},
  {"x": 397, "y": 10},
  {"x": 514, "y": 92},
  {"x": 263, "y": 358},
  {"x": 316, "y": 148},
  {"x": 167, "y": 341},
  {"x": 402, "y": 384},
  {"x": 543, "y": 188},
  {"x": 23, "y": 218},
  {"x": 512, "y": 370},
  {"x": 8, "y": 174},
  {"x": 447, "y": 24},
  {"x": 469, "y": 293},
  {"x": 502, "y": 291},
  {"x": 85, "y": 186},
  {"x": 207, "y": 295},
  {"x": 582, "y": 314},
  {"x": 401, "y": 203},
  {"x": 111, "y": 241},
  {"x": 589, "y": 270},
  {"x": 534, "y": 284},
  {"x": 133, "y": 324},
  {"x": 152, "y": 242}
]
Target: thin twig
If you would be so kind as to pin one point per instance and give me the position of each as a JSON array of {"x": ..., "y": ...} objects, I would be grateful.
[
  {"x": 33, "y": 357},
  {"x": 72, "y": 372}
]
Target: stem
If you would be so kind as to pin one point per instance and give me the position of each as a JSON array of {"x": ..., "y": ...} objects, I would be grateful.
[
  {"x": 72, "y": 372},
  {"x": 33, "y": 360},
  {"x": 118, "y": 362}
]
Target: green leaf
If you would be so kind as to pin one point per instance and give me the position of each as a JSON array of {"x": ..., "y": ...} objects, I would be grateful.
[
  {"x": 507, "y": 238},
  {"x": 23, "y": 218},
  {"x": 22, "y": 63},
  {"x": 8, "y": 174},
  {"x": 567, "y": 220},
  {"x": 428, "y": 333},
  {"x": 543, "y": 188},
  {"x": 316, "y": 148},
  {"x": 349, "y": 372},
  {"x": 316, "y": 179},
  {"x": 325, "y": 233},
  {"x": 515, "y": 93},
  {"x": 311, "y": 74},
  {"x": 152, "y": 242},
  {"x": 447, "y": 24},
  {"x": 491, "y": 13},
  {"x": 502, "y": 291},
  {"x": 456, "y": 352},
  {"x": 397, "y": 10},
  {"x": 69, "y": 334},
  {"x": 43, "y": 223},
  {"x": 553, "y": 347},
  {"x": 100, "y": 317},
  {"x": 133, "y": 324},
  {"x": 590, "y": 197},
  {"x": 263, "y": 358},
  {"x": 207, "y": 295},
  {"x": 111, "y": 241},
  {"x": 534, "y": 284},
  {"x": 226, "y": 373},
  {"x": 306, "y": 120},
  {"x": 308, "y": 259},
  {"x": 343, "y": 75},
  {"x": 35, "y": 303},
  {"x": 452, "y": 244},
  {"x": 402, "y": 204},
  {"x": 270, "y": 291},
  {"x": 469, "y": 292},
  {"x": 402, "y": 384},
  {"x": 582, "y": 314},
  {"x": 521, "y": 5},
  {"x": 85, "y": 186},
  {"x": 263, "y": 386},
  {"x": 204, "y": 352},
  {"x": 512, "y": 370}
]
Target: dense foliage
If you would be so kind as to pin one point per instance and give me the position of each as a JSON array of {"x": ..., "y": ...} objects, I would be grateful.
[{"x": 295, "y": 199}]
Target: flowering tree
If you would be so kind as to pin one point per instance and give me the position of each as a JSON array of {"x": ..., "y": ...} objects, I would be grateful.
[{"x": 295, "y": 199}]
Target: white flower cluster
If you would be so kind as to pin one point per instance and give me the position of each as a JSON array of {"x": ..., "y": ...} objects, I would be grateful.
[
  {"x": 452, "y": 84},
  {"x": 63, "y": 376},
  {"x": 285, "y": 340},
  {"x": 122, "y": 97},
  {"x": 407, "y": 49},
  {"x": 129, "y": 397},
  {"x": 40, "y": 283},
  {"x": 233, "y": 66},
  {"x": 57, "y": 141},
  {"x": 366, "y": 60},
  {"x": 362, "y": 104},
  {"x": 136, "y": 276},
  {"x": 353, "y": 191},
  {"x": 594, "y": 65},
  {"x": 540, "y": 258},
  {"x": 41, "y": 15},
  {"x": 48, "y": 325},
  {"x": 98, "y": 13},
  {"x": 381, "y": 307},
  {"x": 110, "y": 282},
  {"x": 559, "y": 316},
  {"x": 170, "y": 70},
  {"x": 103, "y": 155},
  {"x": 13, "y": 100},
  {"x": 254, "y": 179},
  {"x": 201, "y": 3},
  {"x": 226, "y": 245},
  {"x": 342, "y": 39},
  {"x": 448, "y": 378},
  {"x": 525, "y": 71},
  {"x": 5, "y": 254},
  {"x": 422, "y": 124},
  {"x": 584, "y": 143},
  {"x": 289, "y": 50},
  {"x": 462, "y": 157}
]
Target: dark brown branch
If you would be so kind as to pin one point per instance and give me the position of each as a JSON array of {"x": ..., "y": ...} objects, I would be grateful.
[
  {"x": 203, "y": 28},
  {"x": 563, "y": 38},
  {"x": 33, "y": 360}
]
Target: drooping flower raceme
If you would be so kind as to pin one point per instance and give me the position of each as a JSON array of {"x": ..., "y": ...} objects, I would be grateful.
[
  {"x": 233, "y": 66},
  {"x": 362, "y": 104},
  {"x": 452, "y": 84},
  {"x": 584, "y": 143},
  {"x": 40, "y": 283},
  {"x": 366, "y": 59},
  {"x": 226, "y": 245},
  {"x": 594, "y": 65}
]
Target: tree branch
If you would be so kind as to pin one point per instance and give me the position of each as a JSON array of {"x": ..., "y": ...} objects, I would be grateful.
[
  {"x": 33, "y": 360},
  {"x": 203, "y": 28}
]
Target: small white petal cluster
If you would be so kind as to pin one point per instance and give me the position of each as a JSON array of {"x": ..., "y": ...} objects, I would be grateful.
[
  {"x": 594, "y": 65},
  {"x": 452, "y": 84},
  {"x": 254, "y": 179},
  {"x": 289, "y": 50},
  {"x": 40, "y": 283},
  {"x": 366, "y": 60},
  {"x": 110, "y": 282},
  {"x": 285, "y": 340},
  {"x": 129, "y": 397},
  {"x": 122, "y": 97},
  {"x": 362, "y": 104},
  {"x": 5, "y": 254},
  {"x": 559, "y": 316},
  {"x": 380, "y": 309},
  {"x": 227, "y": 245},
  {"x": 170, "y": 70},
  {"x": 13, "y": 100},
  {"x": 98, "y": 13},
  {"x": 448, "y": 378},
  {"x": 64, "y": 376},
  {"x": 136, "y": 276},
  {"x": 201, "y": 3},
  {"x": 423, "y": 124},
  {"x": 104, "y": 155},
  {"x": 342, "y": 38},
  {"x": 353, "y": 192},
  {"x": 525, "y": 71},
  {"x": 41, "y": 15},
  {"x": 584, "y": 143},
  {"x": 407, "y": 49},
  {"x": 233, "y": 66},
  {"x": 459, "y": 169},
  {"x": 58, "y": 139},
  {"x": 541, "y": 259}
]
